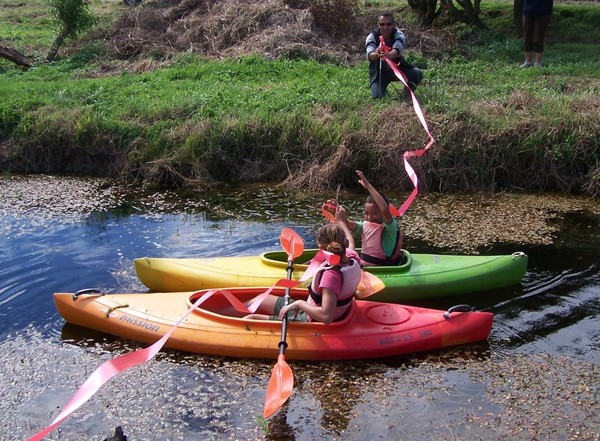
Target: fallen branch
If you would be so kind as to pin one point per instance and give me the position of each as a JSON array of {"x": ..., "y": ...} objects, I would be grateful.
[{"x": 15, "y": 56}]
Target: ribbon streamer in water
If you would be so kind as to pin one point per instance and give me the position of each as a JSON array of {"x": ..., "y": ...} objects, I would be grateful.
[{"x": 112, "y": 368}]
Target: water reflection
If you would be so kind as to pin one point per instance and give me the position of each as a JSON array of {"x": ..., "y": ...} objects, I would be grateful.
[
  {"x": 97, "y": 249},
  {"x": 555, "y": 310}
]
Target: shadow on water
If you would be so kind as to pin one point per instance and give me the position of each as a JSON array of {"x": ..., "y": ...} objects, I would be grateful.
[{"x": 559, "y": 306}]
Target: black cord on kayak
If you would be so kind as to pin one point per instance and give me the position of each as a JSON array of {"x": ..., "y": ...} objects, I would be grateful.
[
  {"x": 458, "y": 308},
  {"x": 88, "y": 291}
]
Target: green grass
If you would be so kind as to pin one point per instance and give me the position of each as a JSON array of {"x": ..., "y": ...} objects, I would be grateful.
[
  {"x": 218, "y": 118},
  {"x": 27, "y": 29},
  {"x": 204, "y": 89}
]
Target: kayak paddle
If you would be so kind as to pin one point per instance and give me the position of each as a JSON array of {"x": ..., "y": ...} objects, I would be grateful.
[
  {"x": 281, "y": 382},
  {"x": 328, "y": 210}
]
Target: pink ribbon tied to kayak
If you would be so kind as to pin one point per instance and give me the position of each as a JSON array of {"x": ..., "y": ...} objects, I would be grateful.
[
  {"x": 112, "y": 368},
  {"x": 119, "y": 364}
]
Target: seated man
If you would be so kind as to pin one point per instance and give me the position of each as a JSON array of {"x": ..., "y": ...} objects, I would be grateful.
[{"x": 380, "y": 74}]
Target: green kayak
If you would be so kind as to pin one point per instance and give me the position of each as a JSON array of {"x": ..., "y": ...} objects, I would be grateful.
[{"x": 422, "y": 276}]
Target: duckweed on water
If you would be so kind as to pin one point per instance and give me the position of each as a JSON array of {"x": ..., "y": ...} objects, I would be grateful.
[
  {"x": 461, "y": 223},
  {"x": 454, "y": 394}
]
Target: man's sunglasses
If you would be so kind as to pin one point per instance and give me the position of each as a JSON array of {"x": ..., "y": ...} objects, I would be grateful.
[{"x": 385, "y": 24}]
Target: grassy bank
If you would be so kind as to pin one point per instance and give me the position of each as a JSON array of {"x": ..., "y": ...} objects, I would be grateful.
[{"x": 175, "y": 117}]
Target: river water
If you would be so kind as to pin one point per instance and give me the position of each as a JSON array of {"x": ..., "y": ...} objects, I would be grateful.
[{"x": 77, "y": 234}]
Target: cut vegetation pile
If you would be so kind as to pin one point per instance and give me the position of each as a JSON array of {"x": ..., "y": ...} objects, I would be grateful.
[{"x": 275, "y": 29}]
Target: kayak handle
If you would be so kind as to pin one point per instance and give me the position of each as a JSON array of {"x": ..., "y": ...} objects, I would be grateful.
[
  {"x": 87, "y": 291},
  {"x": 458, "y": 308}
]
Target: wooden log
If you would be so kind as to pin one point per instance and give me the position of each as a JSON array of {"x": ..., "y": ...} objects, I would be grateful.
[{"x": 15, "y": 56}]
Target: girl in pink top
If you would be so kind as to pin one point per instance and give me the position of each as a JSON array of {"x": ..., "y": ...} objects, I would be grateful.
[
  {"x": 381, "y": 239},
  {"x": 332, "y": 289}
]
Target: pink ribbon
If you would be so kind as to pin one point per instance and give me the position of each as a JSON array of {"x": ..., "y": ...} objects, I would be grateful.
[
  {"x": 315, "y": 263},
  {"x": 123, "y": 362},
  {"x": 412, "y": 153},
  {"x": 110, "y": 369},
  {"x": 282, "y": 283}
]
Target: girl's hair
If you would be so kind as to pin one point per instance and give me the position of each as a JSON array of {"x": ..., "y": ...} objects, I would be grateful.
[{"x": 333, "y": 239}]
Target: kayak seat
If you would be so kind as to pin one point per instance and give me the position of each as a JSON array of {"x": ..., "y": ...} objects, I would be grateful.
[
  {"x": 405, "y": 264},
  {"x": 279, "y": 258}
]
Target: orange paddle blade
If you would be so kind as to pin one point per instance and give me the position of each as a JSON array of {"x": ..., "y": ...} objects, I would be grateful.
[
  {"x": 291, "y": 242},
  {"x": 281, "y": 384},
  {"x": 369, "y": 285},
  {"x": 328, "y": 211}
]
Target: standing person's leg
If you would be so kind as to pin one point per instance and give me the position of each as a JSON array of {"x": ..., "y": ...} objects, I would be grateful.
[
  {"x": 527, "y": 40},
  {"x": 539, "y": 34}
]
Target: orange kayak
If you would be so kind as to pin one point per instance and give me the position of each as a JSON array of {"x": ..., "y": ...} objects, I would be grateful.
[{"x": 370, "y": 330}]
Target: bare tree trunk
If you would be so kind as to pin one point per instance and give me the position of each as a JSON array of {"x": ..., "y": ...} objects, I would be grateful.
[
  {"x": 58, "y": 42},
  {"x": 15, "y": 56},
  {"x": 518, "y": 16},
  {"x": 432, "y": 12},
  {"x": 427, "y": 10},
  {"x": 469, "y": 13},
  {"x": 464, "y": 11}
]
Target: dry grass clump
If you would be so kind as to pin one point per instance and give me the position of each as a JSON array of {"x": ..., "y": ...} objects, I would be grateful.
[
  {"x": 587, "y": 106},
  {"x": 336, "y": 17},
  {"x": 521, "y": 100},
  {"x": 368, "y": 148},
  {"x": 180, "y": 168},
  {"x": 326, "y": 30},
  {"x": 320, "y": 171},
  {"x": 432, "y": 42},
  {"x": 219, "y": 29},
  {"x": 68, "y": 140},
  {"x": 593, "y": 186}
]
